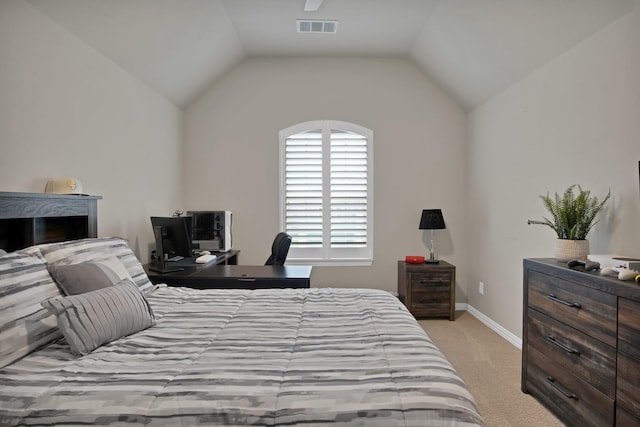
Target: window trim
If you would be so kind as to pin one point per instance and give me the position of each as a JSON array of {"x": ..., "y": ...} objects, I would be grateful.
[{"x": 325, "y": 255}]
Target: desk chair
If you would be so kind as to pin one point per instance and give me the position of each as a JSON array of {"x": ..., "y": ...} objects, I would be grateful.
[{"x": 279, "y": 249}]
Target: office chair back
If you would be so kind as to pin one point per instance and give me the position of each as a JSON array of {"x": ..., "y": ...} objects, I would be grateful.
[{"x": 279, "y": 249}]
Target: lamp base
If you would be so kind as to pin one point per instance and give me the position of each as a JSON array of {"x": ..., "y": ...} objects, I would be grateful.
[{"x": 435, "y": 261}]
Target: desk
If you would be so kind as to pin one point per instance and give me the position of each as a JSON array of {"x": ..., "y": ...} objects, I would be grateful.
[
  {"x": 215, "y": 276},
  {"x": 229, "y": 257}
]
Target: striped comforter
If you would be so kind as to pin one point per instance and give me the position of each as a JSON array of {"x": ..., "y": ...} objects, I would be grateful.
[{"x": 274, "y": 357}]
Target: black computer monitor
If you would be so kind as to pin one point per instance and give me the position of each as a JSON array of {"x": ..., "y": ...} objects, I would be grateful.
[{"x": 172, "y": 236}]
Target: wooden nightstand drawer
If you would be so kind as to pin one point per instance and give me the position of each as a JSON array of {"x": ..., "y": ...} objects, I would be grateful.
[
  {"x": 435, "y": 296},
  {"x": 428, "y": 290},
  {"x": 431, "y": 279},
  {"x": 430, "y": 287},
  {"x": 572, "y": 350},
  {"x": 430, "y": 310},
  {"x": 588, "y": 310}
]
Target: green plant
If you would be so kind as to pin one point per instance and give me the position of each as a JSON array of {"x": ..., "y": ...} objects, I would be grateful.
[{"x": 572, "y": 216}]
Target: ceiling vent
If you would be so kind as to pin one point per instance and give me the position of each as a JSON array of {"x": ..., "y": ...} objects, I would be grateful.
[{"x": 317, "y": 26}]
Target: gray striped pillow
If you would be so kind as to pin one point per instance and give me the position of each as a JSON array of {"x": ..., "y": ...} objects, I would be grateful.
[
  {"x": 98, "y": 317},
  {"x": 97, "y": 250},
  {"x": 24, "y": 325}
]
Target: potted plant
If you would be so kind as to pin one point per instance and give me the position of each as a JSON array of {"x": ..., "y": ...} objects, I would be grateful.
[{"x": 572, "y": 217}]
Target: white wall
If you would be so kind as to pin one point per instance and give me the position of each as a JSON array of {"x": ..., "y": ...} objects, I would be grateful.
[
  {"x": 231, "y": 153},
  {"x": 65, "y": 110},
  {"x": 574, "y": 121}
]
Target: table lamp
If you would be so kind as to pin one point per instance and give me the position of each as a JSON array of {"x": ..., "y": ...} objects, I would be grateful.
[{"x": 432, "y": 219}]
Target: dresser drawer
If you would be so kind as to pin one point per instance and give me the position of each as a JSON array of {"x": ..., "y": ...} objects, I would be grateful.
[
  {"x": 629, "y": 327},
  {"x": 589, "y": 310},
  {"x": 573, "y": 400},
  {"x": 625, "y": 419},
  {"x": 574, "y": 351},
  {"x": 628, "y": 393}
]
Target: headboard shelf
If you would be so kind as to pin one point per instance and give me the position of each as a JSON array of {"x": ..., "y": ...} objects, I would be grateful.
[{"x": 32, "y": 218}]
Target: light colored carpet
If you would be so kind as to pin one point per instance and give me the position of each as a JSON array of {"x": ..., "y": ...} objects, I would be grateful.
[{"x": 490, "y": 366}]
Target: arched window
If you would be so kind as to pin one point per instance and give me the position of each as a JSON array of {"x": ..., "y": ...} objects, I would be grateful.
[{"x": 326, "y": 192}]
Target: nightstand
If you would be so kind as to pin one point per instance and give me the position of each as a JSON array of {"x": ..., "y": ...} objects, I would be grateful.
[{"x": 428, "y": 290}]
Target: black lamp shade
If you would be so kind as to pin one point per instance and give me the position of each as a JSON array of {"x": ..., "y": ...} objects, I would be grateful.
[{"x": 432, "y": 219}]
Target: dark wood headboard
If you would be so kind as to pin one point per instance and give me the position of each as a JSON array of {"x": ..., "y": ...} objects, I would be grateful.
[{"x": 28, "y": 219}]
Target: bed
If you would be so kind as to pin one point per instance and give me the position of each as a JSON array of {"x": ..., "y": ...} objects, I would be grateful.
[{"x": 276, "y": 357}]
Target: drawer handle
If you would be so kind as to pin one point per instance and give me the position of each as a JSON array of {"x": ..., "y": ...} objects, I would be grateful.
[
  {"x": 566, "y": 348},
  {"x": 561, "y": 389},
  {"x": 552, "y": 297}
]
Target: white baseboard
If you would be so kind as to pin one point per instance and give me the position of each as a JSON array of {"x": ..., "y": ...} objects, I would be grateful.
[
  {"x": 461, "y": 306},
  {"x": 510, "y": 337}
]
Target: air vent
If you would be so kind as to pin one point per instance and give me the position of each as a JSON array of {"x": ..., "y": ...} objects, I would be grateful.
[{"x": 317, "y": 26}]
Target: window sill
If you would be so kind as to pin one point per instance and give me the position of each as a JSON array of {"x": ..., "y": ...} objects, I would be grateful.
[{"x": 330, "y": 262}]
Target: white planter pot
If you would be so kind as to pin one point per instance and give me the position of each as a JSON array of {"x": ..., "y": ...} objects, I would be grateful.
[{"x": 568, "y": 250}]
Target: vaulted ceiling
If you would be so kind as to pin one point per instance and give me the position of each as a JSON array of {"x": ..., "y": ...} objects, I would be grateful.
[{"x": 473, "y": 49}]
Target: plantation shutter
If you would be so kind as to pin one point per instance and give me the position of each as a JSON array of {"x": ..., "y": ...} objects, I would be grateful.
[
  {"x": 303, "y": 188},
  {"x": 326, "y": 192},
  {"x": 348, "y": 189}
]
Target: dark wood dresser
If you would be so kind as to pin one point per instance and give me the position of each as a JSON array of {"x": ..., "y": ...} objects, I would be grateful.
[
  {"x": 428, "y": 290},
  {"x": 581, "y": 344}
]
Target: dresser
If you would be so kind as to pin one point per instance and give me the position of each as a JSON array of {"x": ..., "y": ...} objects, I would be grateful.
[
  {"x": 581, "y": 344},
  {"x": 428, "y": 290}
]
